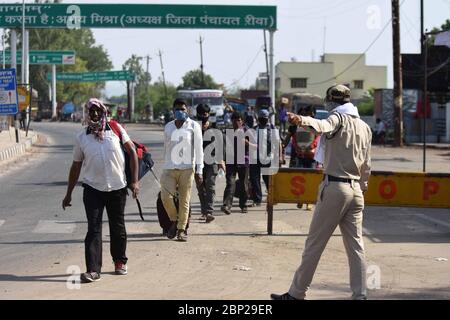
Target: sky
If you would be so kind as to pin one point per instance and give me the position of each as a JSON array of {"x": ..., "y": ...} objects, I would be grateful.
[{"x": 305, "y": 29}]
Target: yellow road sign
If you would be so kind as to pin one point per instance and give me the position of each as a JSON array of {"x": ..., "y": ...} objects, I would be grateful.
[{"x": 24, "y": 94}]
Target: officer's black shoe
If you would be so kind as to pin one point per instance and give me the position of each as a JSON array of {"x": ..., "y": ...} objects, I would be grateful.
[
  {"x": 172, "y": 230},
  {"x": 284, "y": 296}
]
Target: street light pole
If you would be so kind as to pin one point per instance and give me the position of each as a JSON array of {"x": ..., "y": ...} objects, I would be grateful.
[{"x": 23, "y": 43}]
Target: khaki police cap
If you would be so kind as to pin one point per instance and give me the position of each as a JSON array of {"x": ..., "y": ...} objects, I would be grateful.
[{"x": 338, "y": 92}]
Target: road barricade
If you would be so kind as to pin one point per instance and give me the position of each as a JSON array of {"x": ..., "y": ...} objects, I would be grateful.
[{"x": 389, "y": 189}]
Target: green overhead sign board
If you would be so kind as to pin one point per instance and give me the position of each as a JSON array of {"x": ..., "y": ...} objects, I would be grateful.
[
  {"x": 94, "y": 76},
  {"x": 42, "y": 57},
  {"x": 75, "y": 16}
]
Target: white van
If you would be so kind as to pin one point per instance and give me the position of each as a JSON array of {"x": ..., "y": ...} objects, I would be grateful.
[{"x": 213, "y": 98}]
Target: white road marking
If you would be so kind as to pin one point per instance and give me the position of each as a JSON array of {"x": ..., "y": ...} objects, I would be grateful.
[
  {"x": 369, "y": 234},
  {"x": 55, "y": 226},
  {"x": 136, "y": 228},
  {"x": 437, "y": 221},
  {"x": 2, "y": 222}
]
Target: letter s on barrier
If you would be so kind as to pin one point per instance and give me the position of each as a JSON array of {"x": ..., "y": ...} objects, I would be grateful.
[
  {"x": 430, "y": 188},
  {"x": 297, "y": 185},
  {"x": 387, "y": 189}
]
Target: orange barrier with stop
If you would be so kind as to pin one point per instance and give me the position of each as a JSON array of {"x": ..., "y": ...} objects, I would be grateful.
[{"x": 391, "y": 189}]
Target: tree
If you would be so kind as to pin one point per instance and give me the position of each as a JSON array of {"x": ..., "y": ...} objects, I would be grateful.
[
  {"x": 193, "y": 80},
  {"x": 161, "y": 102},
  {"x": 89, "y": 57},
  {"x": 133, "y": 64},
  {"x": 367, "y": 105},
  {"x": 444, "y": 27}
]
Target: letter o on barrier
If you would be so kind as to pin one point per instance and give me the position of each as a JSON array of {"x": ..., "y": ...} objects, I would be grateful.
[
  {"x": 297, "y": 185},
  {"x": 387, "y": 189}
]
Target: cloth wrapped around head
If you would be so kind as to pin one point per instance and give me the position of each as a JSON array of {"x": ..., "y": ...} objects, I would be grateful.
[{"x": 97, "y": 124}]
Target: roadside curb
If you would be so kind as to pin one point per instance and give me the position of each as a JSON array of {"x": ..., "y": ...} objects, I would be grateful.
[
  {"x": 19, "y": 148},
  {"x": 430, "y": 146}
]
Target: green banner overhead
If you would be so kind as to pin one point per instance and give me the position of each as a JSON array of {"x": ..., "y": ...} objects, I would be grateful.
[
  {"x": 43, "y": 57},
  {"x": 94, "y": 76},
  {"x": 74, "y": 16}
]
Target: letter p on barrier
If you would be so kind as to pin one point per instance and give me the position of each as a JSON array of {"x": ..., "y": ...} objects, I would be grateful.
[{"x": 430, "y": 188}]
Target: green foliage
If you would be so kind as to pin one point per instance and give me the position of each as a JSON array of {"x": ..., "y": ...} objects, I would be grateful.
[
  {"x": 444, "y": 27},
  {"x": 160, "y": 100},
  {"x": 89, "y": 57},
  {"x": 367, "y": 105},
  {"x": 159, "y": 96},
  {"x": 193, "y": 80}
]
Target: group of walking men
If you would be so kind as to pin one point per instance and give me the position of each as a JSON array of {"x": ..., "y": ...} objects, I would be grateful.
[{"x": 343, "y": 149}]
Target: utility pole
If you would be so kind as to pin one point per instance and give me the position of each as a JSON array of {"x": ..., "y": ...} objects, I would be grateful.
[
  {"x": 162, "y": 72},
  {"x": 324, "y": 36},
  {"x": 424, "y": 51},
  {"x": 147, "y": 89},
  {"x": 398, "y": 82},
  {"x": 267, "y": 61},
  {"x": 201, "y": 62}
]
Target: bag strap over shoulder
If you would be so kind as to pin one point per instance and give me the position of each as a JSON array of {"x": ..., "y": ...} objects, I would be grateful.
[{"x": 115, "y": 128}]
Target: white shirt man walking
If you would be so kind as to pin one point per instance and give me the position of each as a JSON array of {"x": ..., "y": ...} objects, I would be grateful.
[{"x": 183, "y": 154}]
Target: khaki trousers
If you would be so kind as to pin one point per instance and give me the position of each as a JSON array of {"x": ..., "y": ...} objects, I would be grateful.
[
  {"x": 338, "y": 203},
  {"x": 174, "y": 181}
]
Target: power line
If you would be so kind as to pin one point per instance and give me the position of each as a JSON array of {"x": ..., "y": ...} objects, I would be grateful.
[
  {"x": 357, "y": 59},
  {"x": 313, "y": 10},
  {"x": 360, "y": 56},
  {"x": 248, "y": 67},
  {"x": 328, "y": 14}
]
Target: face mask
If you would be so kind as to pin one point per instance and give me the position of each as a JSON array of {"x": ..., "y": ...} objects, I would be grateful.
[
  {"x": 263, "y": 121},
  {"x": 330, "y": 105},
  {"x": 203, "y": 118},
  {"x": 181, "y": 115}
]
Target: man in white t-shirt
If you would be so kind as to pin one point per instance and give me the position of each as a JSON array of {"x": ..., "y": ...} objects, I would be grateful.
[{"x": 98, "y": 150}]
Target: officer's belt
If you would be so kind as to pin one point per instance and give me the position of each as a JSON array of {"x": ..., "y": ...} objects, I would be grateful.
[{"x": 337, "y": 179}]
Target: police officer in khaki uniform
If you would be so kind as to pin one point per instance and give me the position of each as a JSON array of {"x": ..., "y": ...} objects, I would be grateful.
[{"x": 344, "y": 150}]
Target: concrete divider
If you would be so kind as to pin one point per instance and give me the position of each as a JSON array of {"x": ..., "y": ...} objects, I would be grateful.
[{"x": 17, "y": 149}]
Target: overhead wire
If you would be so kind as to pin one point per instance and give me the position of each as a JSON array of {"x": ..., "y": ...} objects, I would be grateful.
[
  {"x": 359, "y": 57},
  {"x": 248, "y": 67}
]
